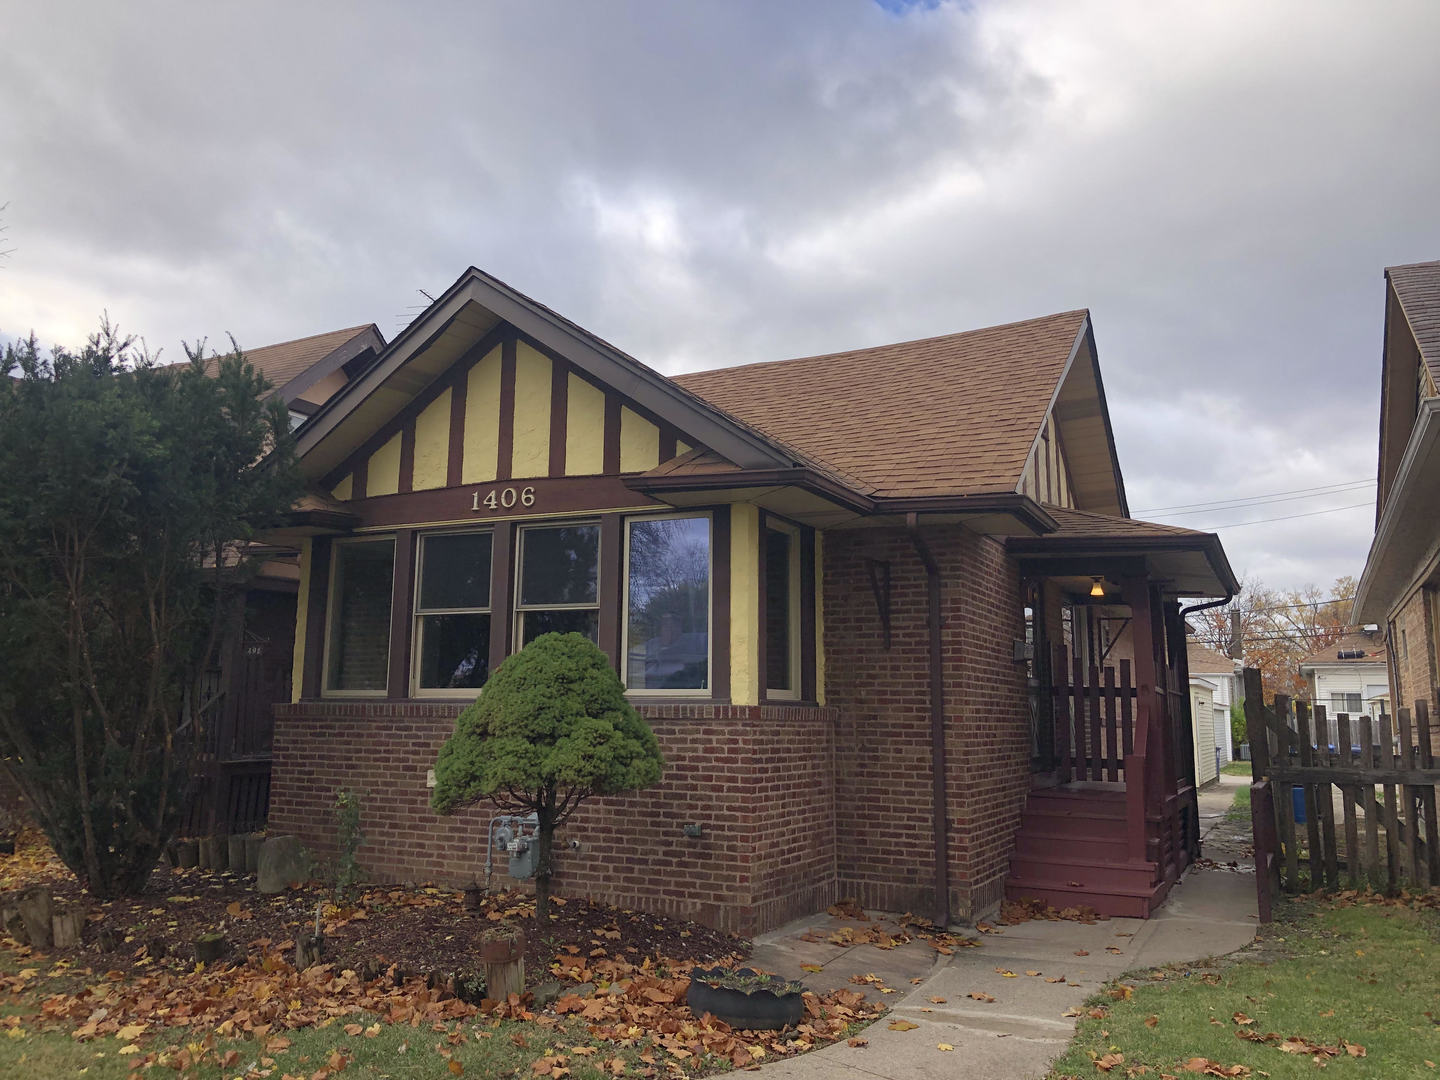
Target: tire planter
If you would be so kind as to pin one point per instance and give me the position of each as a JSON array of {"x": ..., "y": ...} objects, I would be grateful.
[{"x": 754, "y": 1010}]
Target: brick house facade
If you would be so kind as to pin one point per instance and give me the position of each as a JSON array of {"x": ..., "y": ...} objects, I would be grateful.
[{"x": 855, "y": 699}]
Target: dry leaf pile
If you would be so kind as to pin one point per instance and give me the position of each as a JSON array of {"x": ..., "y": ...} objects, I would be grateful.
[{"x": 1013, "y": 912}]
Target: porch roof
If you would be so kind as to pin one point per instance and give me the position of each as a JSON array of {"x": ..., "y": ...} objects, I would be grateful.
[{"x": 1190, "y": 563}]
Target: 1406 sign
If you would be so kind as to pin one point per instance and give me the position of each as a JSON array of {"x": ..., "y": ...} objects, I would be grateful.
[{"x": 505, "y": 498}]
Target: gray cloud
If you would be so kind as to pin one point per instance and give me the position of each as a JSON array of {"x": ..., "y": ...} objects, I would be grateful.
[{"x": 720, "y": 182}]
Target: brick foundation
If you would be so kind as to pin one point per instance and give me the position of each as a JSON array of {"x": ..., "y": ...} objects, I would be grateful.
[{"x": 758, "y": 780}]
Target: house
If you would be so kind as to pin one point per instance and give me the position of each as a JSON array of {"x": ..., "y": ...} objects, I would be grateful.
[
  {"x": 1202, "y": 707},
  {"x": 1400, "y": 586},
  {"x": 252, "y": 670},
  {"x": 1219, "y": 671},
  {"x": 853, "y": 595},
  {"x": 1351, "y": 676}
]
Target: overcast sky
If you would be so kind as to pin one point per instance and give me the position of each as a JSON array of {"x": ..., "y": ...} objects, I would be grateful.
[{"x": 704, "y": 184}]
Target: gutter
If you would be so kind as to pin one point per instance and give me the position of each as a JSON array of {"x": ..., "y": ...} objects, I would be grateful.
[{"x": 939, "y": 785}]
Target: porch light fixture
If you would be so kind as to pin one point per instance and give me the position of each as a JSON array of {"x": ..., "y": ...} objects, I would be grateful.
[{"x": 1097, "y": 589}]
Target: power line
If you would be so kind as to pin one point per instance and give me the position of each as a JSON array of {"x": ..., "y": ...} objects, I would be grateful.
[
  {"x": 1291, "y": 517},
  {"x": 1246, "y": 498},
  {"x": 1244, "y": 505}
]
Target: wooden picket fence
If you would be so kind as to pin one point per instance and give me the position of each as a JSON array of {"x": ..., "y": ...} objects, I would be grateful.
[{"x": 1381, "y": 773}]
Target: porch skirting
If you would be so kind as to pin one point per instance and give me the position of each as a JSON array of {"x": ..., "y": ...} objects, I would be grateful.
[{"x": 758, "y": 780}]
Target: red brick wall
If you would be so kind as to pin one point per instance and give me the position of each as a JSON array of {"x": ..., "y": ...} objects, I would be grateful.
[
  {"x": 1413, "y": 648},
  {"x": 758, "y": 780},
  {"x": 883, "y": 791}
]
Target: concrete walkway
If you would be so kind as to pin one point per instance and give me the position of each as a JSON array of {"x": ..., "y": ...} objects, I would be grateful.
[{"x": 1209, "y": 913}]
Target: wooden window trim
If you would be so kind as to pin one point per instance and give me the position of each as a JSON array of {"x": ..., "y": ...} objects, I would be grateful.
[
  {"x": 517, "y": 612},
  {"x": 797, "y": 604}
]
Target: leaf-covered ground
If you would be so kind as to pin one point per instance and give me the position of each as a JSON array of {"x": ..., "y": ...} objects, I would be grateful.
[
  {"x": 133, "y": 1002},
  {"x": 1342, "y": 987}
]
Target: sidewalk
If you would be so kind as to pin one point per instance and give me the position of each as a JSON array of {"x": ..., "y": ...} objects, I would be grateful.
[{"x": 1210, "y": 912}]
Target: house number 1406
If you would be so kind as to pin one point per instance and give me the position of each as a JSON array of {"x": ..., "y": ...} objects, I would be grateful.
[{"x": 503, "y": 498}]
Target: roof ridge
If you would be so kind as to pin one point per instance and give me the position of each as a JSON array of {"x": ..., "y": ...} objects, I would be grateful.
[
  {"x": 351, "y": 330},
  {"x": 885, "y": 345}
]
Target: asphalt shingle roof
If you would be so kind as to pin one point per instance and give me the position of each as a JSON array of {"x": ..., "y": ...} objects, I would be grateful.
[{"x": 1417, "y": 287}]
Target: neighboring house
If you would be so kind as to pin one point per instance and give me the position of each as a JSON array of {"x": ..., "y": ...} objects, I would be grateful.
[
  {"x": 1202, "y": 705},
  {"x": 1400, "y": 586},
  {"x": 817, "y": 577},
  {"x": 1219, "y": 671},
  {"x": 1351, "y": 677},
  {"x": 252, "y": 671}
]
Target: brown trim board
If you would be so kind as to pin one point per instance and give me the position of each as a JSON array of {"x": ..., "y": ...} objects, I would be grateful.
[
  {"x": 505, "y": 450},
  {"x": 315, "y": 618},
  {"x": 397, "y": 685},
  {"x": 559, "y": 413}
]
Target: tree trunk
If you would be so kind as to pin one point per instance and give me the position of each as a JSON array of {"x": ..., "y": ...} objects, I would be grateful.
[{"x": 546, "y": 841}]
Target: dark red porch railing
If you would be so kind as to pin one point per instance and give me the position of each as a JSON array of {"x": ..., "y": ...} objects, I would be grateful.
[{"x": 1094, "y": 719}]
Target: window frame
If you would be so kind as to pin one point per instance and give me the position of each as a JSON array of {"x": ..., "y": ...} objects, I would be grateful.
[
  {"x": 795, "y": 602},
  {"x": 332, "y": 590},
  {"x": 708, "y": 690},
  {"x": 517, "y": 610},
  {"x": 417, "y": 614}
]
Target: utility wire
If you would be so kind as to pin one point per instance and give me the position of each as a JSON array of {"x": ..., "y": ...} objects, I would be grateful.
[
  {"x": 1246, "y": 498},
  {"x": 1291, "y": 517},
  {"x": 1267, "y": 502}
]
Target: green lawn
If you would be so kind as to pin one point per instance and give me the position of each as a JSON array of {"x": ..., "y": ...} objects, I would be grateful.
[
  {"x": 1240, "y": 807},
  {"x": 1236, "y": 768},
  {"x": 1326, "y": 974}
]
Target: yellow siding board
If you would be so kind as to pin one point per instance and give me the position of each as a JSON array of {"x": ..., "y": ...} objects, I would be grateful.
[
  {"x": 302, "y": 614},
  {"x": 344, "y": 488},
  {"x": 383, "y": 473},
  {"x": 482, "y": 420},
  {"x": 639, "y": 442},
  {"x": 682, "y": 447},
  {"x": 432, "y": 444},
  {"x": 744, "y": 604},
  {"x": 531, "y": 453},
  {"x": 584, "y": 428}
]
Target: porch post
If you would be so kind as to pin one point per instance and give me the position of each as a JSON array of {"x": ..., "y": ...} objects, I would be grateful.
[{"x": 1139, "y": 763}]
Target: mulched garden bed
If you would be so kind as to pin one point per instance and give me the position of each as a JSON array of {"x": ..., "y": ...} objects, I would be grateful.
[{"x": 419, "y": 929}]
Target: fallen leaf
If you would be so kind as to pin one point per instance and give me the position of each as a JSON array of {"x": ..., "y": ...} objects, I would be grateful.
[
  {"x": 937, "y": 1001},
  {"x": 455, "y": 1067},
  {"x": 811, "y": 967},
  {"x": 1152, "y": 1021},
  {"x": 1109, "y": 1061},
  {"x": 858, "y": 1043},
  {"x": 980, "y": 995},
  {"x": 902, "y": 1025},
  {"x": 943, "y": 1046},
  {"x": 1082, "y": 952}
]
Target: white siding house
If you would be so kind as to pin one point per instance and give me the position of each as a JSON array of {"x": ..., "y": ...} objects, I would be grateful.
[
  {"x": 1219, "y": 672},
  {"x": 1349, "y": 677}
]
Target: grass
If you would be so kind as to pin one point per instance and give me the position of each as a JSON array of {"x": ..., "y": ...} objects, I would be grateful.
[
  {"x": 1367, "y": 973},
  {"x": 1240, "y": 808},
  {"x": 1236, "y": 768}
]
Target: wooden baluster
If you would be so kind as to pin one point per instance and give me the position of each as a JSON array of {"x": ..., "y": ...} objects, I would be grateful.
[
  {"x": 1062, "y": 714},
  {"x": 1112, "y": 740},
  {"x": 1092, "y": 700},
  {"x": 1348, "y": 794},
  {"x": 1386, "y": 761},
  {"x": 1127, "y": 715},
  {"x": 1369, "y": 803}
]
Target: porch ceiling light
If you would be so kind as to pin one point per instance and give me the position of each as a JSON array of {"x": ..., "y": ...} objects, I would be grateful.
[{"x": 1097, "y": 589}]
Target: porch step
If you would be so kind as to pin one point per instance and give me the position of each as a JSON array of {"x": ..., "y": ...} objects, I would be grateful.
[
  {"x": 1037, "y": 840},
  {"x": 1113, "y": 903},
  {"x": 1081, "y": 873}
]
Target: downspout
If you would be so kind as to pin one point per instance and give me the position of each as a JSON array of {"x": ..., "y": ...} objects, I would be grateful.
[
  {"x": 939, "y": 786},
  {"x": 1194, "y": 765}
]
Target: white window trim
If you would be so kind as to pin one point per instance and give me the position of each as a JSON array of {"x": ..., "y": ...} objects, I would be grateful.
[
  {"x": 518, "y": 610},
  {"x": 466, "y": 693},
  {"x": 331, "y": 608},
  {"x": 709, "y": 689},
  {"x": 797, "y": 677}
]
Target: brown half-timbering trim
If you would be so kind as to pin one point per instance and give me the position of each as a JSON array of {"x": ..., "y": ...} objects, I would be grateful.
[
  {"x": 807, "y": 614},
  {"x": 720, "y": 598},
  {"x": 407, "y": 458},
  {"x": 762, "y": 613},
  {"x": 358, "y": 478},
  {"x": 316, "y": 618},
  {"x": 559, "y": 410},
  {"x": 459, "y": 371},
  {"x": 455, "y": 461},
  {"x": 551, "y": 495},
  {"x": 611, "y": 592},
  {"x": 502, "y": 592},
  {"x": 668, "y": 439},
  {"x": 504, "y": 463},
  {"x": 611, "y": 460},
  {"x": 401, "y": 602}
]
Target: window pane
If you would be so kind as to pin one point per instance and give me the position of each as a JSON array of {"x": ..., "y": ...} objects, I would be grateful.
[
  {"x": 456, "y": 571},
  {"x": 360, "y": 624},
  {"x": 778, "y": 615},
  {"x": 668, "y": 642},
  {"x": 561, "y": 565},
  {"x": 559, "y": 622},
  {"x": 454, "y": 651}
]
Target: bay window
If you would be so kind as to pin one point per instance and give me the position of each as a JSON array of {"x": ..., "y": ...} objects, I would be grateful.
[
  {"x": 558, "y": 578},
  {"x": 358, "y": 646},
  {"x": 452, "y": 612},
  {"x": 667, "y": 604}
]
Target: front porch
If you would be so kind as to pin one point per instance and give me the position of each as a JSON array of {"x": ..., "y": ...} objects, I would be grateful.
[{"x": 1111, "y": 820}]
